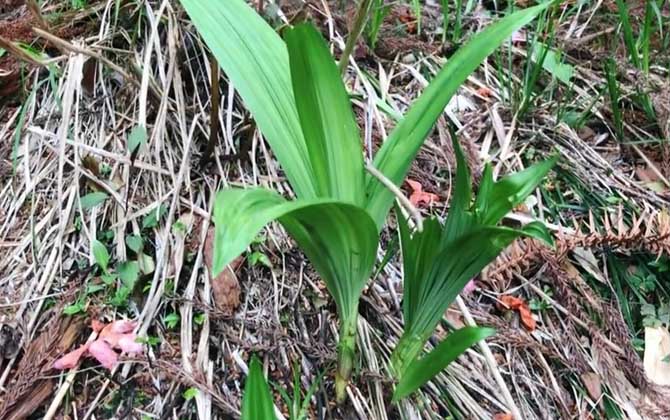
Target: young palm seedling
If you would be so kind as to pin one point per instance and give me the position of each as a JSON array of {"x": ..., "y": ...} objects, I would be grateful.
[
  {"x": 440, "y": 260},
  {"x": 299, "y": 102}
]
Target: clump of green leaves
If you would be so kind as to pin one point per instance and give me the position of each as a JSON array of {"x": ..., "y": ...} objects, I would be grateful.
[
  {"x": 299, "y": 102},
  {"x": 439, "y": 260}
]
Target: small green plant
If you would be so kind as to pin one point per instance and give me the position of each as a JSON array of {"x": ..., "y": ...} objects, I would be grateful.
[
  {"x": 613, "y": 90},
  {"x": 439, "y": 260},
  {"x": 378, "y": 12},
  {"x": 299, "y": 102},
  {"x": 257, "y": 400},
  {"x": 297, "y": 404}
]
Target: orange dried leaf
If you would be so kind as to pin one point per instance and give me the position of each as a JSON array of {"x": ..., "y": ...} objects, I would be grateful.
[
  {"x": 503, "y": 416},
  {"x": 520, "y": 305},
  {"x": 418, "y": 196}
]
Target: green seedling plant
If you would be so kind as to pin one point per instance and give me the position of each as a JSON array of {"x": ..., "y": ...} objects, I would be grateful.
[
  {"x": 295, "y": 93},
  {"x": 439, "y": 260},
  {"x": 298, "y": 406},
  {"x": 257, "y": 400}
]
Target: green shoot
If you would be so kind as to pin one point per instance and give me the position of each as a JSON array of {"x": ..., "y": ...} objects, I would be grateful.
[
  {"x": 613, "y": 89},
  {"x": 257, "y": 401},
  {"x": 440, "y": 260}
]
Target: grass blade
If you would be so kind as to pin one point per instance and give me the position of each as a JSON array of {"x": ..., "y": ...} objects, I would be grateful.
[
  {"x": 257, "y": 402},
  {"x": 396, "y": 154}
]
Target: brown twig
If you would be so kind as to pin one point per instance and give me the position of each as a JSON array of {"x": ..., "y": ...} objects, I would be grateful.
[{"x": 214, "y": 112}]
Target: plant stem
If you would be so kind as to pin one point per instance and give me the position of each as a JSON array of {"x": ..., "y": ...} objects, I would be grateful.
[
  {"x": 406, "y": 351},
  {"x": 345, "y": 356},
  {"x": 404, "y": 201},
  {"x": 356, "y": 30}
]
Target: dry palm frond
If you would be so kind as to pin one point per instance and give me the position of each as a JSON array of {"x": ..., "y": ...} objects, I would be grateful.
[{"x": 647, "y": 233}]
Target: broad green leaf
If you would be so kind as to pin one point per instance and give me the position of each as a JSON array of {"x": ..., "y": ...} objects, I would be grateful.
[
  {"x": 328, "y": 123},
  {"x": 136, "y": 138},
  {"x": 419, "y": 252},
  {"x": 128, "y": 272},
  {"x": 190, "y": 393},
  {"x": 257, "y": 401},
  {"x": 538, "y": 231},
  {"x": 424, "y": 369},
  {"x": 398, "y": 151},
  {"x": 552, "y": 62},
  {"x": 100, "y": 254},
  {"x": 256, "y": 61},
  {"x": 496, "y": 199},
  {"x": 135, "y": 243},
  {"x": 93, "y": 199},
  {"x": 339, "y": 239}
]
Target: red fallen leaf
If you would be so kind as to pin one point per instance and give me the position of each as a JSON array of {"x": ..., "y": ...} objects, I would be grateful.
[
  {"x": 71, "y": 359},
  {"x": 116, "y": 335},
  {"x": 419, "y": 196},
  {"x": 103, "y": 353},
  {"x": 409, "y": 20},
  {"x": 503, "y": 416},
  {"x": 518, "y": 304}
]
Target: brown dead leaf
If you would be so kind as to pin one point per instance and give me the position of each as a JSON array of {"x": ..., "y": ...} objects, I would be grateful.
[
  {"x": 520, "y": 305},
  {"x": 225, "y": 287},
  {"x": 657, "y": 355},
  {"x": 593, "y": 385},
  {"x": 418, "y": 196}
]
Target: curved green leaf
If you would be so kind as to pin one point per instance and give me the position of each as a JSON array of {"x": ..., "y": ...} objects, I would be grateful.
[
  {"x": 398, "y": 151},
  {"x": 496, "y": 199},
  {"x": 93, "y": 199},
  {"x": 257, "y": 401},
  {"x": 255, "y": 60},
  {"x": 424, "y": 369},
  {"x": 327, "y": 121},
  {"x": 435, "y": 281},
  {"x": 339, "y": 239}
]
